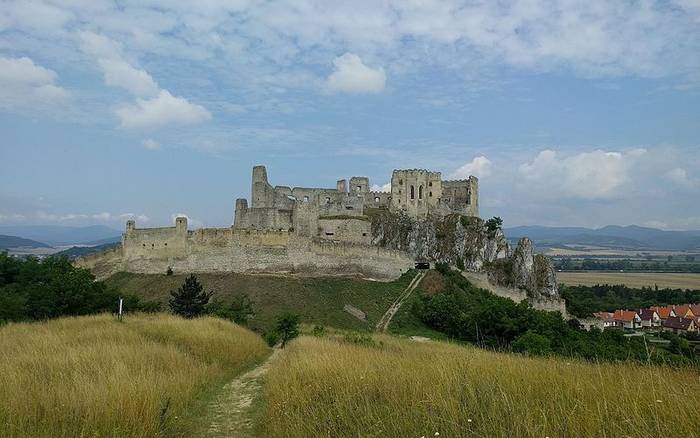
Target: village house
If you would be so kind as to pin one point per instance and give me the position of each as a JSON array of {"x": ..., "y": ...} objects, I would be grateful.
[
  {"x": 604, "y": 320},
  {"x": 649, "y": 318},
  {"x": 679, "y": 324},
  {"x": 627, "y": 319},
  {"x": 664, "y": 312},
  {"x": 684, "y": 311}
]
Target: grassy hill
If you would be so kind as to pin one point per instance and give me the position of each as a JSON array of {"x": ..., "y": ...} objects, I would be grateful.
[
  {"x": 96, "y": 376},
  {"x": 386, "y": 386},
  {"x": 317, "y": 300}
]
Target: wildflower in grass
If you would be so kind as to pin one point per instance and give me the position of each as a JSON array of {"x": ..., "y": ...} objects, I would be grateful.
[
  {"x": 658, "y": 401},
  {"x": 469, "y": 420},
  {"x": 437, "y": 433}
]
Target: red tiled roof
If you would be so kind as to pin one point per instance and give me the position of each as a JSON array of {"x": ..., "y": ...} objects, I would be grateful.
[
  {"x": 605, "y": 316},
  {"x": 684, "y": 310},
  {"x": 624, "y": 315},
  {"x": 695, "y": 308},
  {"x": 664, "y": 312}
]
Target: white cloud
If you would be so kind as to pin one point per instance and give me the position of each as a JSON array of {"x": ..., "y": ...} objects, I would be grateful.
[
  {"x": 150, "y": 144},
  {"x": 162, "y": 110},
  {"x": 480, "y": 167},
  {"x": 25, "y": 84},
  {"x": 352, "y": 76},
  {"x": 119, "y": 73},
  {"x": 587, "y": 175},
  {"x": 383, "y": 188},
  {"x": 680, "y": 176}
]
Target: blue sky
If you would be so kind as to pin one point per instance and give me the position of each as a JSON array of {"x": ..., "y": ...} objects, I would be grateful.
[{"x": 571, "y": 113}]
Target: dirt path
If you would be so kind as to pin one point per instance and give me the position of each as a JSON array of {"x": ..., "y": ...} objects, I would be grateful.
[
  {"x": 231, "y": 412},
  {"x": 383, "y": 323}
]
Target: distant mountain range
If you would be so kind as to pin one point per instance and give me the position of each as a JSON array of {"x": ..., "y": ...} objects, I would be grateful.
[
  {"x": 82, "y": 251},
  {"x": 56, "y": 235},
  {"x": 7, "y": 242},
  {"x": 631, "y": 237}
]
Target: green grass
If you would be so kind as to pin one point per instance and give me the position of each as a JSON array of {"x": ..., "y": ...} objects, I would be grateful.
[
  {"x": 631, "y": 279},
  {"x": 318, "y": 300},
  {"x": 95, "y": 376},
  {"x": 399, "y": 388}
]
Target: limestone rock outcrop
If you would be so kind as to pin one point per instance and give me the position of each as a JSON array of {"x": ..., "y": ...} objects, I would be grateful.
[{"x": 468, "y": 244}]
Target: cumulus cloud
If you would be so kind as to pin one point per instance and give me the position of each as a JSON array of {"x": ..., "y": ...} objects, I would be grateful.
[
  {"x": 588, "y": 175},
  {"x": 352, "y": 76},
  {"x": 162, "y": 110},
  {"x": 24, "y": 83},
  {"x": 680, "y": 177},
  {"x": 150, "y": 144},
  {"x": 383, "y": 188},
  {"x": 480, "y": 167}
]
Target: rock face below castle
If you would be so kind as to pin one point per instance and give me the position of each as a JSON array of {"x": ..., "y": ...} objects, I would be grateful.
[{"x": 345, "y": 230}]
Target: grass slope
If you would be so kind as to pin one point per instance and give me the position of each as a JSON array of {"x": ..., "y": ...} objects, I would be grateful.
[
  {"x": 395, "y": 387},
  {"x": 318, "y": 300},
  {"x": 96, "y": 376}
]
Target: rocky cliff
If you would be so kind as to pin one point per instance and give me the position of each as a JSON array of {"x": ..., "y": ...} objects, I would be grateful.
[{"x": 467, "y": 243}]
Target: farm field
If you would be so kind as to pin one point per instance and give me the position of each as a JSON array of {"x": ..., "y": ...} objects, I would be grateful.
[
  {"x": 96, "y": 376},
  {"x": 632, "y": 279},
  {"x": 388, "y": 386},
  {"x": 318, "y": 300}
]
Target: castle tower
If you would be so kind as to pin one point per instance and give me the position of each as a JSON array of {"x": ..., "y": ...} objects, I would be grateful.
[
  {"x": 181, "y": 225},
  {"x": 359, "y": 185},
  {"x": 342, "y": 186},
  {"x": 262, "y": 193},
  {"x": 416, "y": 191}
]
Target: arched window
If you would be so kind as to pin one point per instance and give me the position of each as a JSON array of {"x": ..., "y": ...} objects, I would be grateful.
[
  {"x": 376, "y": 199},
  {"x": 420, "y": 192},
  {"x": 413, "y": 192}
]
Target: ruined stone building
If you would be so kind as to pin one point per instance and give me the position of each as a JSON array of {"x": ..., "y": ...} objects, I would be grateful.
[{"x": 340, "y": 213}]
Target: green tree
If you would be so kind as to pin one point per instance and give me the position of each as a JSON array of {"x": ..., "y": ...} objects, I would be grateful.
[
  {"x": 532, "y": 343},
  {"x": 494, "y": 224},
  {"x": 287, "y": 327},
  {"x": 190, "y": 300}
]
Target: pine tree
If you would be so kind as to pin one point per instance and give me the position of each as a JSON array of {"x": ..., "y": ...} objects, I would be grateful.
[{"x": 190, "y": 299}]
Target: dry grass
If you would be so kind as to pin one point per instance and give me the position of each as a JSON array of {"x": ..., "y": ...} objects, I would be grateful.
[
  {"x": 94, "y": 376},
  {"x": 632, "y": 279},
  {"x": 400, "y": 388}
]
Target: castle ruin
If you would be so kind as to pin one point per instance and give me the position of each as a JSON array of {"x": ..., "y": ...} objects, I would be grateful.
[
  {"x": 283, "y": 229},
  {"x": 340, "y": 213}
]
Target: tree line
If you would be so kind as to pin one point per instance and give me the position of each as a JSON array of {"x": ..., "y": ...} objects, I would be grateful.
[{"x": 468, "y": 313}]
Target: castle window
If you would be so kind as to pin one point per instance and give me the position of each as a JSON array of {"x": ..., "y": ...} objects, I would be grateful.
[
  {"x": 358, "y": 188},
  {"x": 348, "y": 207},
  {"x": 364, "y": 234},
  {"x": 430, "y": 184},
  {"x": 413, "y": 192},
  {"x": 166, "y": 244},
  {"x": 329, "y": 234},
  {"x": 420, "y": 192},
  {"x": 430, "y": 194},
  {"x": 153, "y": 245},
  {"x": 306, "y": 199},
  {"x": 328, "y": 199},
  {"x": 144, "y": 245},
  {"x": 376, "y": 199},
  {"x": 469, "y": 200},
  {"x": 400, "y": 182}
]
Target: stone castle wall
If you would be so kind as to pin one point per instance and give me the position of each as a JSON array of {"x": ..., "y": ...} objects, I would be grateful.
[{"x": 233, "y": 250}]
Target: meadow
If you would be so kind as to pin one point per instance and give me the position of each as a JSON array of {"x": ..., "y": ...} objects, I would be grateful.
[
  {"x": 632, "y": 279},
  {"x": 387, "y": 386},
  {"x": 318, "y": 300},
  {"x": 97, "y": 376}
]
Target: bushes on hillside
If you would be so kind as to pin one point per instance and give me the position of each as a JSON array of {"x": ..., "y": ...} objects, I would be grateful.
[
  {"x": 33, "y": 289},
  {"x": 467, "y": 313},
  {"x": 189, "y": 300}
]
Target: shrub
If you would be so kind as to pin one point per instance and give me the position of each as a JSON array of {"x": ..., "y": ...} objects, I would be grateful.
[
  {"x": 190, "y": 299},
  {"x": 318, "y": 331},
  {"x": 532, "y": 343},
  {"x": 287, "y": 327},
  {"x": 271, "y": 338}
]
